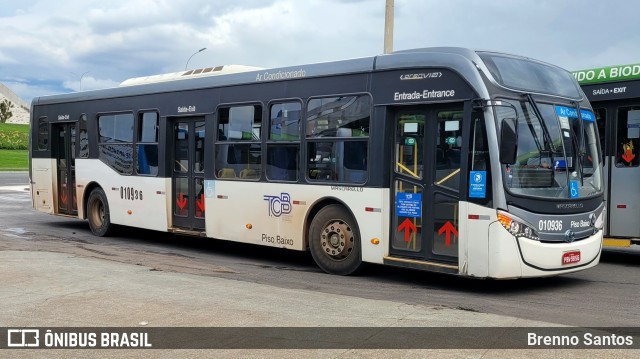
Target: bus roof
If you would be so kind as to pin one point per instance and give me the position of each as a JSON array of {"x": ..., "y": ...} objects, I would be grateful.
[
  {"x": 205, "y": 72},
  {"x": 461, "y": 60},
  {"x": 608, "y": 74}
]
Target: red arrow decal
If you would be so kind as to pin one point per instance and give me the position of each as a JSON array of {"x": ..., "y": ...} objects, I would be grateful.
[
  {"x": 448, "y": 228},
  {"x": 182, "y": 201},
  {"x": 407, "y": 226},
  {"x": 628, "y": 156},
  {"x": 200, "y": 203},
  {"x": 63, "y": 196}
]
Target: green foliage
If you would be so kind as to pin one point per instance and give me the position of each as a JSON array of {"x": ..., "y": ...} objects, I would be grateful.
[
  {"x": 14, "y": 160},
  {"x": 5, "y": 110},
  {"x": 14, "y": 142},
  {"x": 14, "y": 137}
]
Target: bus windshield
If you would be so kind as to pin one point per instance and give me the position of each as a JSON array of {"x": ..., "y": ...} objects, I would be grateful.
[
  {"x": 557, "y": 151},
  {"x": 530, "y": 76}
]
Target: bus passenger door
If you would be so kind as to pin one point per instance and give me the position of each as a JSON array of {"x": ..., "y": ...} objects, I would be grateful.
[
  {"x": 188, "y": 208},
  {"x": 65, "y": 154},
  {"x": 425, "y": 184}
]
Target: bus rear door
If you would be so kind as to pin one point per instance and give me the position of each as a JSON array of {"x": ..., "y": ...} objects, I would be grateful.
[
  {"x": 65, "y": 154},
  {"x": 188, "y": 208}
]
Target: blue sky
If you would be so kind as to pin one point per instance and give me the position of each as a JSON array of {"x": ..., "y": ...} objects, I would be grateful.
[{"x": 46, "y": 46}]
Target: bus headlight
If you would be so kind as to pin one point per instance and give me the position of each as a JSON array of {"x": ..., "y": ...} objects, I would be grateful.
[{"x": 516, "y": 226}]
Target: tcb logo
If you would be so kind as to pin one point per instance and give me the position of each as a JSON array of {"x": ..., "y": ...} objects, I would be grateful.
[
  {"x": 23, "y": 338},
  {"x": 279, "y": 205}
]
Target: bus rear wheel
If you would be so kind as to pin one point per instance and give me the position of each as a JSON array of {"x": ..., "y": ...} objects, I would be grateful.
[
  {"x": 98, "y": 213},
  {"x": 334, "y": 241}
]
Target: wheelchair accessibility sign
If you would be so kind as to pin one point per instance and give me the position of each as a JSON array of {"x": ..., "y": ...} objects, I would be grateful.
[
  {"x": 573, "y": 188},
  {"x": 209, "y": 188}
]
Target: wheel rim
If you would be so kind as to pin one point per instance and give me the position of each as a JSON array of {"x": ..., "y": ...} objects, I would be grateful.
[
  {"x": 336, "y": 239},
  {"x": 97, "y": 213}
]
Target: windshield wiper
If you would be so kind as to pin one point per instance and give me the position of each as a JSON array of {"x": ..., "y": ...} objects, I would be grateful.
[
  {"x": 548, "y": 143},
  {"x": 532, "y": 130},
  {"x": 579, "y": 142}
]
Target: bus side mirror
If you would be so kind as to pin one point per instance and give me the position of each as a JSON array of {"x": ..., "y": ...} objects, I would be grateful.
[{"x": 508, "y": 141}]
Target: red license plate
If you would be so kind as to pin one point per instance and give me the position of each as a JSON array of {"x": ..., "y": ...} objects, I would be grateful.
[{"x": 570, "y": 257}]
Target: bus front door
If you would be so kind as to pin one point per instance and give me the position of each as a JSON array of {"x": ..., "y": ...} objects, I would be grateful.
[
  {"x": 425, "y": 185},
  {"x": 65, "y": 154},
  {"x": 188, "y": 208}
]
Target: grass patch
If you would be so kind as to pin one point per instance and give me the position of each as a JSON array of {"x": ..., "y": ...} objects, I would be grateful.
[
  {"x": 14, "y": 160},
  {"x": 14, "y": 137},
  {"x": 14, "y": 144}
]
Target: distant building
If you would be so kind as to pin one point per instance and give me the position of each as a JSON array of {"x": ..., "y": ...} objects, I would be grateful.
[{"x": 20, "y": 107}]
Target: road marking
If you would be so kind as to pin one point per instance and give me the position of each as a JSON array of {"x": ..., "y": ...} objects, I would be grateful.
[{"x": 19, "y": 188}]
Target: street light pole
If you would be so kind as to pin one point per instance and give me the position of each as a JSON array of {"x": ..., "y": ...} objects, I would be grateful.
[
  {"x": 81, "y": 76},
  {"x": 197, "y": 52},
  {"x": 388, "y": 27}
]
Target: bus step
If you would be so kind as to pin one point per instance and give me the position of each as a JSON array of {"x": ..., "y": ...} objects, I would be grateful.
[
  {"x": 616, "y": 242},
  {"x": 421, "y": 265},
  {"x": 188, "y": 232}
]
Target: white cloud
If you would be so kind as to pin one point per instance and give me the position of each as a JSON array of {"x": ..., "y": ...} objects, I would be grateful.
[{"x": 88, "y": 83}]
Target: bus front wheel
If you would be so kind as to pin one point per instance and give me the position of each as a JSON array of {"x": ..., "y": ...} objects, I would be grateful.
[
  {"x": 334, "y": 240},
  {"x": 98, "y": 213}
]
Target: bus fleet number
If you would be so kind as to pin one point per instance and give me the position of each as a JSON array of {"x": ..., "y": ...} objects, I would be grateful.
[
  {"x": 130, "y": 193},
  {"x": 550, "y": 225}
]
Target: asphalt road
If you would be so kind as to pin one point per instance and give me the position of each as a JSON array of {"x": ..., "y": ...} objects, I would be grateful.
[{"x": 606, "y": 295}]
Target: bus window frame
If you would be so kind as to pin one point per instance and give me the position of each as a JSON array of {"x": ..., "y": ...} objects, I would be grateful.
[
  {"x": 270, "y": 143},
  {"x": 43, "y": 123},
  {"x": 137, "y": 139},
  {"x": 118, "y": 143},
  {"x": 219, "y": 142},
  {"x": 308, "y": 139}
]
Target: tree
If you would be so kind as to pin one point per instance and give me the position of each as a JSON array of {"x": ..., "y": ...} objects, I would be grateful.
[{"x": 5, "y": 110}]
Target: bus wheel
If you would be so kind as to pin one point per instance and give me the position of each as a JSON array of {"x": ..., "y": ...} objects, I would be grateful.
[
  {"x": 334, "y": 240},
  {"x": 98, "y": 213}
]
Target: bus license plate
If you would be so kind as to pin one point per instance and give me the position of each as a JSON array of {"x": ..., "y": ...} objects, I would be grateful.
[{"x": 570, "y": 257}]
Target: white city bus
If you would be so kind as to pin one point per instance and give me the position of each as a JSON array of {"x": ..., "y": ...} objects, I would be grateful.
[
  {"x": 614, "y": 92},
  {"x": 465, "y": 162}
]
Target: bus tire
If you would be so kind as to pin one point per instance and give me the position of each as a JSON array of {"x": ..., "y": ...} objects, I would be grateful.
[
  {"x": 334, "y": 240},
  {"x": 98, "y": 213}
]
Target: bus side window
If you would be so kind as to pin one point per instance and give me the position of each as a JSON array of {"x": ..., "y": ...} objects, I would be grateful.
[
  {"x": 43, "y": 134},
  {"x": 116, "y": 141},
  {"x": 238, "y": 149},
  {"x": 147, "y": 146},
  {"x": 83, "y": 141},
  {"x": 337, "y": 130},
  {"x": 282, "y": 162},
  {"x": 283, "y": 144},
  {"x": 354, "y": 159}
]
